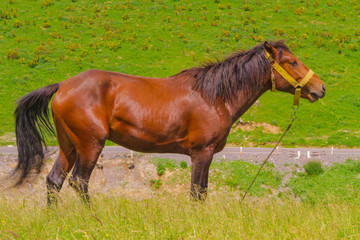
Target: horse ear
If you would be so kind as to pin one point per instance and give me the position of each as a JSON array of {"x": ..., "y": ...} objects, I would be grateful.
[{"x": 270, "y": 48}]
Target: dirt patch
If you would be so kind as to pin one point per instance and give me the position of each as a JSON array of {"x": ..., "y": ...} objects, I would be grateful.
[
  {"x": 251, "y": 126},
  {"x": 118, "y": 175}
]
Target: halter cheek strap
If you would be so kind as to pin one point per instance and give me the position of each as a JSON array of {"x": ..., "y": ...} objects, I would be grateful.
[{"x": 287, "y": 77}]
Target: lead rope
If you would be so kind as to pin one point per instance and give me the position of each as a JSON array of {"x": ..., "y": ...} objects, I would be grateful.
[{"x": 293, "y": 117}]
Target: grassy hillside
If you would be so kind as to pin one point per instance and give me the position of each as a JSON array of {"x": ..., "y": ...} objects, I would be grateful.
[{"x": 47, "y": 41}]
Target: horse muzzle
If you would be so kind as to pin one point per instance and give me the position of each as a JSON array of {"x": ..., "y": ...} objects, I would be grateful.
[{"x": 313, "y": 96}]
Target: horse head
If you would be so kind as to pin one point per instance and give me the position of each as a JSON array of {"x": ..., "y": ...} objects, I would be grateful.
[{"x": 289, "y": 74}]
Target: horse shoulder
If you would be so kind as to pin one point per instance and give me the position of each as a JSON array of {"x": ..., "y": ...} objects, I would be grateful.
[{"x": 208, "y": 125}]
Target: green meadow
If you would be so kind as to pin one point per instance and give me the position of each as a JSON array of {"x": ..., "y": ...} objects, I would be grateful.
[{"x": 48, "y": 41}]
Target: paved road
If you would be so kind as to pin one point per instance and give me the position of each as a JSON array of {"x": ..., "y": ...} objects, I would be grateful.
[{"x": 255, "y": 155}]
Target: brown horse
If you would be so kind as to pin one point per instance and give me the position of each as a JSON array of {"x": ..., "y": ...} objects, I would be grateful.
[{"x": 189, "y": 113}]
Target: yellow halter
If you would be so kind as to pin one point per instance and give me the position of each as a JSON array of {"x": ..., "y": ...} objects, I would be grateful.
[{"x": 290, "y": 79}]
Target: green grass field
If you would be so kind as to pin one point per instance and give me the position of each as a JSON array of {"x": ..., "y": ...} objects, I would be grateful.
[
  {"x": 48, "y": 41},
  {"x": 174, "y": 217},
  {"x": 323, "y": 206}
]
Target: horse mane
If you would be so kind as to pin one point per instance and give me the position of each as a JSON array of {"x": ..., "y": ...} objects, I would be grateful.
[{"x": 243, "y": 70}]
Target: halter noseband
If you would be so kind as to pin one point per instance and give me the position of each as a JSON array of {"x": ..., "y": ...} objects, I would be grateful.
[{"x": 290, "y": 79}]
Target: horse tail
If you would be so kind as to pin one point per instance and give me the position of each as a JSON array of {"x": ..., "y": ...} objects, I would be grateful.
[{"x": 32, "y": 122}]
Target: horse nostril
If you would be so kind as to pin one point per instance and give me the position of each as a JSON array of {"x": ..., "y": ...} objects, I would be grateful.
[{"x": 324, "y": 88}]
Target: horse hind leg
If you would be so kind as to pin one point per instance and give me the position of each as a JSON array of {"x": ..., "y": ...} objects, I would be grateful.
[
  {"x": 84, "y": 166},
  {"x": 63, "y": 164}
]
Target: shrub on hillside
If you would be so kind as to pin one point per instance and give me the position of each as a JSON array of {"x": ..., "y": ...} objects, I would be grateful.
[
  {"x": 13, "y": 54},
  {"x": 183, "y": 164},
  {"x": 313, "y": 168},
  {"x": 17, "y": 24}
]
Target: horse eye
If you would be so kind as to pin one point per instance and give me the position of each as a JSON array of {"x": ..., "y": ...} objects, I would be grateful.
[{"x": 294, "y": 63}]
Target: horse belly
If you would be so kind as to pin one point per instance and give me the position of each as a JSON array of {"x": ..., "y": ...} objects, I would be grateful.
[{"x": 141, "y": 141}]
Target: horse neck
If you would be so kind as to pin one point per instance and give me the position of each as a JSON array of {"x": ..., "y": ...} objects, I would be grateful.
[{"x": 246, "y": 98}]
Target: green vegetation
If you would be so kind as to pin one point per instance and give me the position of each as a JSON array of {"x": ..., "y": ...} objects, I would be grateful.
[
  {"x": 51, "y": 40},
  {"x": 339, "y": 183},
  {"x": 183, "y": 164},
  {"x": 313, "y": 168},
  {"x": 329, "y": 209},
  {"x": 156, "y": 184},
  {"x": 239, "y": 175},
  {"x": 177, "y": 217},
  {"x": 164, "y": 163}
]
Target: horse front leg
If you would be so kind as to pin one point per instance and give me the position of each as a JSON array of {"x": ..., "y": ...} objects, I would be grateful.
[{"x": 201, "y": 161}]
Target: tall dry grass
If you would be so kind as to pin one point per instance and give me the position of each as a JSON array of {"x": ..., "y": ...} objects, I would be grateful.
[{"x": 169, "y": 216}]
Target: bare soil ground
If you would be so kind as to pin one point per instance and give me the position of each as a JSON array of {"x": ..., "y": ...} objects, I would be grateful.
[
  {"x": 118, "y": 175},
  {"x": 250, "y": 126},
  {"x": 131, "y": 178}
]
